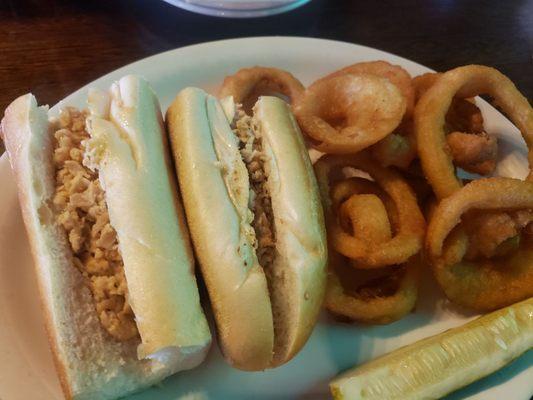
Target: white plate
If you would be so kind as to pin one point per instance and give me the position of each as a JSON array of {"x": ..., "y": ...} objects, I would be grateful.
[{"x": 26, "y": 369}]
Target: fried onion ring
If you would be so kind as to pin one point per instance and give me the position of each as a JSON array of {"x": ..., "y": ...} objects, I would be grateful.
[
  {"x": 486, "y": 283},
  {"x": 422, "y": 83},
  {"x": 471, "y": 148},
  {"x": 368, "y": 208},
  {"x": 463, "y": 114},
  {"x": 247, "y": 84},
  {"x": 476, "y": 153},
  {"x": 394, "y": 73},
  {"x": 347, "y": 113},
  {"x": 494, "y": 233},
  {"x": 397, "y": 149},
  {"x": 431, "y": 110},
  {"x": 381, "y": 300},
  {"x": 368, "y": 217},
  {"x": 407, "y": 240},
  {"x": 342, "y": 190},
  {"x": 473, "y": 153}
]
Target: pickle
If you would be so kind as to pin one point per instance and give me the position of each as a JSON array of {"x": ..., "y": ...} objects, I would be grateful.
[{"x": 438, "y": 365}]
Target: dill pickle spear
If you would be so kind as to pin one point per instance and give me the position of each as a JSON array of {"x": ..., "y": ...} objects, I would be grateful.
[{"x": 438, "y": 365}]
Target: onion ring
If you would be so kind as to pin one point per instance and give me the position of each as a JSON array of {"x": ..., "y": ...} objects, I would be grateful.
[
  {"x": 394, "y": 73},
  {"x": 247, "y": 84},
  {"x": 494, "y": 233},
  {"x": 391, "y": 294},
  {"x": 422, "y": 83},
  {"x": 408, "y": 238},
  {"x": 463, "y": 114},
  {"x": 487, "y": 283},
  {"x": 430, "y": 113},
  {"x": 368, "y": 217},
  {"x": 347, "y": 113},
  {"x": 342, "y": 190},
  {"x": 473, "y": 153},
  {"x": 395, "y": 295},
  {"x": 470, "y": 147},
  {"x": 397, "y": 149}
]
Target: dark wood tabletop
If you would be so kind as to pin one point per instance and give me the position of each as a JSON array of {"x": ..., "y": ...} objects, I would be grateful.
[{"x": 52, "y": 47}]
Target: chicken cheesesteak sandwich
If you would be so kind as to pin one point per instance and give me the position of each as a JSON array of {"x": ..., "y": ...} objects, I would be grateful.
[
  {"x": 253, "y": 209},
  {"x": 109, "y": 240}
]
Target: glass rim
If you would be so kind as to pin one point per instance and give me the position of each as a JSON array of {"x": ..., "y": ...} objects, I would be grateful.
[{"x": 225, "y": 12}]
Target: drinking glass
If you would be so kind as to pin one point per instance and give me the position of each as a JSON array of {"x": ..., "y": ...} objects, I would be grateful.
[{"x": 238, "y": 8}]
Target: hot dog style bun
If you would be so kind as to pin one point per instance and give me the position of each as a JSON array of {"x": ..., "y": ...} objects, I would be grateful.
[
  {"x": 253, "y": 208},
  {"x": 109, "y": 240}
]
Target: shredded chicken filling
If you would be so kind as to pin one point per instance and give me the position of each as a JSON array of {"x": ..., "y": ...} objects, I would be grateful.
[
  {"x": 251, "y": 149},
  {"x": 81, "y": 210}
]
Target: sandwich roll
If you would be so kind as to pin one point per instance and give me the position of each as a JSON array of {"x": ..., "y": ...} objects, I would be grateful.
[
  {"x": 109, "y": 240},
  {"x": 252, "y": 206}
]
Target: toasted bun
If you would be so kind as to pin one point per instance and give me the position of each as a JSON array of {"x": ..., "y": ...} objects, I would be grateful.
[
  {"x": 90, "y": 363},
  {"x": 131, "y": 155},
  {"x": 238, "y": 292},
  {"x": 262, "y": 319},
  {"x": 298, "y": 276}
]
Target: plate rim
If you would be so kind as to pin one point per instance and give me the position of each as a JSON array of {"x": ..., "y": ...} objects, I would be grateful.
[{"x": 219, "y": 42}]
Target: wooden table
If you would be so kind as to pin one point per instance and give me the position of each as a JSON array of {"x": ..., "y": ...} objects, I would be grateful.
[{"x": 52, "y": 47}]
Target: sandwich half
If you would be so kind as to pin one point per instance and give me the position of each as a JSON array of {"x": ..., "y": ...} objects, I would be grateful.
[
  {"x": 109, "y": 240},
  {"x": 253, "y": 208}
]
